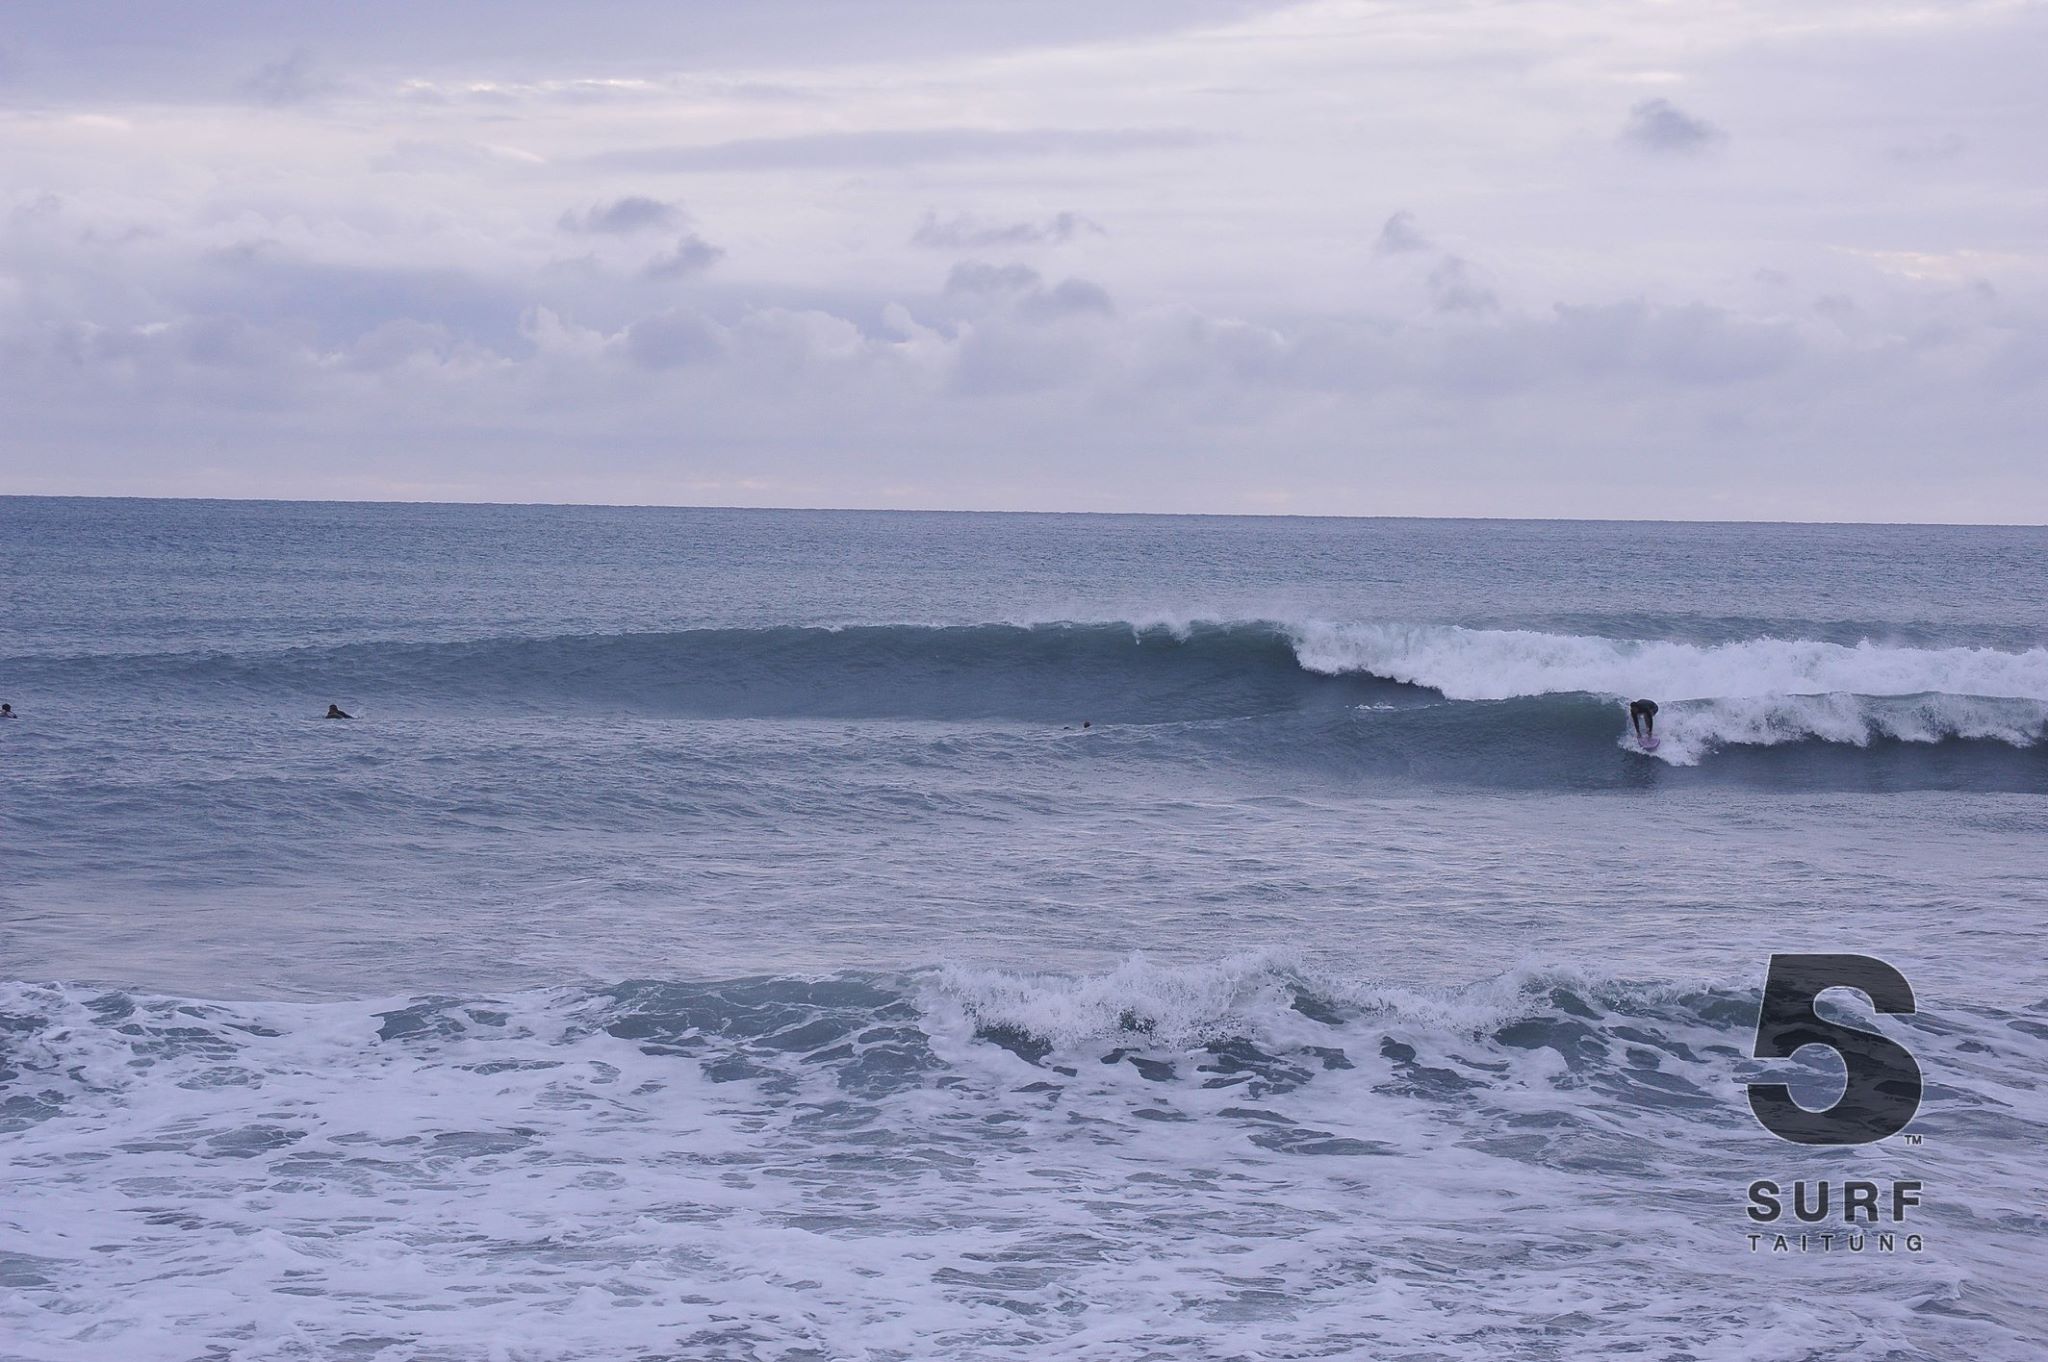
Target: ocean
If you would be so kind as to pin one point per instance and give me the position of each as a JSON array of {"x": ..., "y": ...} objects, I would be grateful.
[{"x": 728, "y": 934}]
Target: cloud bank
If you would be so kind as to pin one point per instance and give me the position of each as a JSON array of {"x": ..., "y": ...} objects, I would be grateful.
[{"x": 1315, "y": 257}]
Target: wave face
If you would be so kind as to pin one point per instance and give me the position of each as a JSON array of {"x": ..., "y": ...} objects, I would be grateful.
[
  {"x": 1540, "y": 701},
  {"x": 1045, "y": 673},
  {"x": 1237, "y": 1159}
]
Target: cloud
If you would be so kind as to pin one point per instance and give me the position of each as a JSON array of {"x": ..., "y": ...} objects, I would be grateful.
[
  {"x": 894, "y": 148},
  {"x": 672, "y": 339},
  {"x": 978, "y": 278},
  {"x": 1399, "y": 234},
  {"x": 1454, "y": 286},
  {"x": 401, "y": 342},
  {"x": 221, "y": 293},
  {"x": 333, "y": 303},
  {"x": 1068, "y": 298},
  {"x": 634, "y": 213},
  {"x": 964, "y": 232},
  {"x": 1659, "y": 126},
  {"x": 1047, "y": 379},
  {"x": 1693, "y": 344},
  {"x": 414, "y": 157},
  {"x": 692, "y": 255},
  {"x": 179, "y": 51},
  {"x": 288, "y": 80},
  {"x": 1024, "y": 291}
]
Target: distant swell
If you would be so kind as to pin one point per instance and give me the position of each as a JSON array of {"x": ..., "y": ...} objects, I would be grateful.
[{"x": 1048, "y": 672}]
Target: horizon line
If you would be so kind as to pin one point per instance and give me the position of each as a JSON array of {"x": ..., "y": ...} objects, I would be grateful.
[{"x": 1007, "y": 511}]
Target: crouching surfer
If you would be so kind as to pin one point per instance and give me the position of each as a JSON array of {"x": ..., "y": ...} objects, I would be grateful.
[{"x": 1642, "y": 717}]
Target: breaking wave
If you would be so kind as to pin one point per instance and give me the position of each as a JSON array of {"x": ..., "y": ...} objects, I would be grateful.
[
  {"x": 1367, "y": 681},
  {"x": 1502, "y": 664},
  {"x": 1200, "y": 1161}
]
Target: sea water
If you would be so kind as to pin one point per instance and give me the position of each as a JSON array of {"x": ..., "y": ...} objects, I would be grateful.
[{"x": 814, "y": 935}]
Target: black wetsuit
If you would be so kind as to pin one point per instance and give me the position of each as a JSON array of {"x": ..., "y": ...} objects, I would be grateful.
[{"x": 1646, "y": 712}]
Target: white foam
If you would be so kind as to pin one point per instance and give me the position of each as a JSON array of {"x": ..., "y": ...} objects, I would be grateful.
[
  {"x": 1504, "y": 664},
  {"x": 1173, "y": 1005},
  {"x": 1689, "y": 730},
  {"x": 511, "y": 1180}
]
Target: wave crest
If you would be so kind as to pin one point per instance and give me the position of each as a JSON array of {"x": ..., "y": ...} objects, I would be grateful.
[{"x": 1506, "y": 664}]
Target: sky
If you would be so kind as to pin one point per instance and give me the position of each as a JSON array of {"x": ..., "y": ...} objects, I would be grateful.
[{"x": 1721, "y": 259}]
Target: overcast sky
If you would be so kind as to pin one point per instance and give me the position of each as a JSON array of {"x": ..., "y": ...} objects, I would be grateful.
[{"x": 1491, "y": 257}]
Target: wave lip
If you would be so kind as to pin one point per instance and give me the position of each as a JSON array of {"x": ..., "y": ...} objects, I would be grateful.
[{"x": 1507, "y": 664}]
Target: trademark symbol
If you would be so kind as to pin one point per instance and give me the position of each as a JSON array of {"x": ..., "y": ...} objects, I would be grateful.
[{"x": 1912, "y": 1139}]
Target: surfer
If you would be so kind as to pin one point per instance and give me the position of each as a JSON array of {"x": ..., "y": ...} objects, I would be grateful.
[
  {"x": 6, "y": 711},
  {"x": 336, "y": 712},
  {"x": 1642, "y": 717}
]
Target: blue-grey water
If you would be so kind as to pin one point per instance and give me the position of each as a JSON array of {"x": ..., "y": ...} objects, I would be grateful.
[{"x": 746, "y": 934}]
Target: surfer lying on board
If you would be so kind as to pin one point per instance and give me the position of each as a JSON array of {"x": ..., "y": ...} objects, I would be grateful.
[
  {"x": 336, "y": 712},
  {"x": 1642, "y": 717}
]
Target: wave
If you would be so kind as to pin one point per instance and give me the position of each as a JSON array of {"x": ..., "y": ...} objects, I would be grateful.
[
  {"x": 1749, "y": 693},
  {"x": 1065, "y": 672},
  {"x": 1393, "y": 688},
  {"x": 1694, "y": 730},
  {"x": 1185, "y": 1160},
  {"x": 63, "y": 1042},
  {"x": 1504, "y": 664}
]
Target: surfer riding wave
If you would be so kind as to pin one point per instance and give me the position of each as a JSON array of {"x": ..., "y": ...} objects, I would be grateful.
[{"x": 1642, "y": 717}]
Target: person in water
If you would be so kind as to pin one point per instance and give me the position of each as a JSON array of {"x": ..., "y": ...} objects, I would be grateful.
[
  {"x": 336, "y": 712},
  {"x": 1642, "y": 717},
  {"x": 6, "y": 711}
]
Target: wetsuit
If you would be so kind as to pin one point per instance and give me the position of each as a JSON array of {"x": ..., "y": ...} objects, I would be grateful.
[{"x": 1643, "y": 712}]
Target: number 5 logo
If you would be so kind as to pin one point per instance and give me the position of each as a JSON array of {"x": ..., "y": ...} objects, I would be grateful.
[{"x": 1883, "y": 1088}]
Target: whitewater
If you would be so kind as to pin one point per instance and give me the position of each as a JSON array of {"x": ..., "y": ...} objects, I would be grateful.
[
  {"x": 1756, "y": 691},
  {"x": 810, "y": 935}
]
